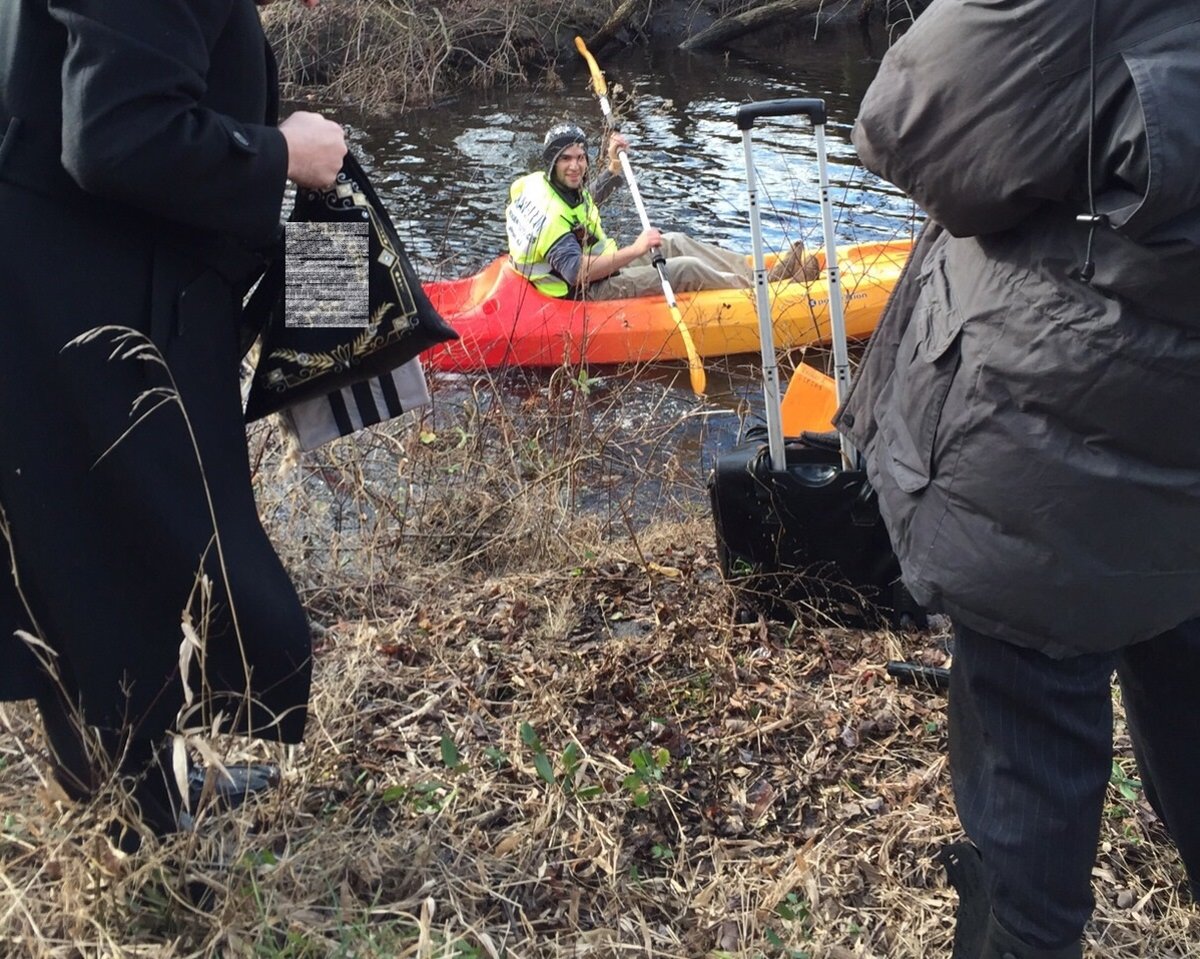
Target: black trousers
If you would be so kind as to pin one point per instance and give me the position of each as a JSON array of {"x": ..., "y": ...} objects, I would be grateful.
[{"x": 1031, "y": 757}]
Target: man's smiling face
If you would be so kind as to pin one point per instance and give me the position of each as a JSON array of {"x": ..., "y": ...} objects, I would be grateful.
[{"x": 570, "y": 167}]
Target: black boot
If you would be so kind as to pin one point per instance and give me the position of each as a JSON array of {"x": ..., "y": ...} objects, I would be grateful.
[
  {"x": 964, "y": 870},
  {"x": 999, "y": 943}
]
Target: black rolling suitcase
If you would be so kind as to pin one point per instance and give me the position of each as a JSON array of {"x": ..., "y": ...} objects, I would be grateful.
[
  {"x": 808, "y": 537},
  {"x": 797, "y": 524}
]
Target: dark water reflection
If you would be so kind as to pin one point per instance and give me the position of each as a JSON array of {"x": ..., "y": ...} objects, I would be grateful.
[{"x": 445, "y": 172}]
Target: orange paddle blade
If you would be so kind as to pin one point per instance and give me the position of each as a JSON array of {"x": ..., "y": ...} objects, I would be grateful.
[
  {"x": 809, "y": 403},
  {"x": 695, "y": 364},
  {"x": 598, "y": 83}
]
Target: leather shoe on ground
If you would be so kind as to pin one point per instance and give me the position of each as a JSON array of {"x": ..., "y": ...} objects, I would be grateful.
[
  {"x": 229, "y": 787},
  {"x": 964, "y": 871},
  {"x": 999, "y": 943}
]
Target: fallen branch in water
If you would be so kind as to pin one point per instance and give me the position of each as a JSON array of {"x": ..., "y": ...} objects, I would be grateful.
[
  {"x": 622, "y": 15},
  {"x": 758, "y": 18}
]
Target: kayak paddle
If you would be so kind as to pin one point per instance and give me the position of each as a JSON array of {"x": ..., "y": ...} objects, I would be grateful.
[{"x": 695, "y": 365}]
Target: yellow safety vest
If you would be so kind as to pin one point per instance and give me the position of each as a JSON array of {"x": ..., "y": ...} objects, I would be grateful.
[{"x": 536, "y": 219}]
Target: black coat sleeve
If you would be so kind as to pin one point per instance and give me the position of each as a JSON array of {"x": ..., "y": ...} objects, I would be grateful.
[{"x": 135, "y": 128}]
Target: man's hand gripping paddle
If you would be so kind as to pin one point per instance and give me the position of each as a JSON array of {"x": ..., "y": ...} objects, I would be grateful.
[{"x": 695, "y": 366}]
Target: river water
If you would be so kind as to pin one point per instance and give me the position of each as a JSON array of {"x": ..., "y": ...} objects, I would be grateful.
[
  {"x": 444, "y": 173},
  {"x": 446, "y": 170}
]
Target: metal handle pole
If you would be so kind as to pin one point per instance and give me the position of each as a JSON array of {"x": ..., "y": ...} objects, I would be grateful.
[
  {"x": 766, "y": 332},
  {"x": 837, "y": 317}
]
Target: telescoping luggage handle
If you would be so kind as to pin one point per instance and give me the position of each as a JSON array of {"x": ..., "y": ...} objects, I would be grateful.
[{"x": 814, "y": 109}]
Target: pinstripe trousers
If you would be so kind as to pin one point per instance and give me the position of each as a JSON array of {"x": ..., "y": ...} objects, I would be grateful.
[{"x": 1031, "y": 757}]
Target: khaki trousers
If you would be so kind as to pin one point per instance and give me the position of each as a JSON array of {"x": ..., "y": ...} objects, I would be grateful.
[{"x": 691, "y": 266}]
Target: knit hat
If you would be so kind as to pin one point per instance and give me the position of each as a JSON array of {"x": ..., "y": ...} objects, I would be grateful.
[{"x": 558, "y": 138}]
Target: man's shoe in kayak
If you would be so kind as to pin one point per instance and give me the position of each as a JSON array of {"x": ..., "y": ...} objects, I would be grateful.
[{"x": 795, "y": 266}]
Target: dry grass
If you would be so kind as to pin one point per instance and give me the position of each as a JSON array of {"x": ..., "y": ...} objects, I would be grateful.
[
  {"x": 393, "y": 54},
  {"x": 390, "y": 55},
  {"x": 538, "y": 731}
]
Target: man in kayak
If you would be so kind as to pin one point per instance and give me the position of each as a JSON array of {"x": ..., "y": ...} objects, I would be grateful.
[
  {"x": 556, "y": 239},
  {"x": 1027, "y": 408}
]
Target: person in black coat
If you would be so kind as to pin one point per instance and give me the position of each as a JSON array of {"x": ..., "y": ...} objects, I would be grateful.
[{"x": 141, "y": 176}]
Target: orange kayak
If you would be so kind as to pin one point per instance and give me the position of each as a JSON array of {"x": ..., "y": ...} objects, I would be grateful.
[{"x": 503, "y": 321}]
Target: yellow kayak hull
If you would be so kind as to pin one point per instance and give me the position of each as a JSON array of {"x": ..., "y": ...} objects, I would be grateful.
[{"x": 503, "y": 321}]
